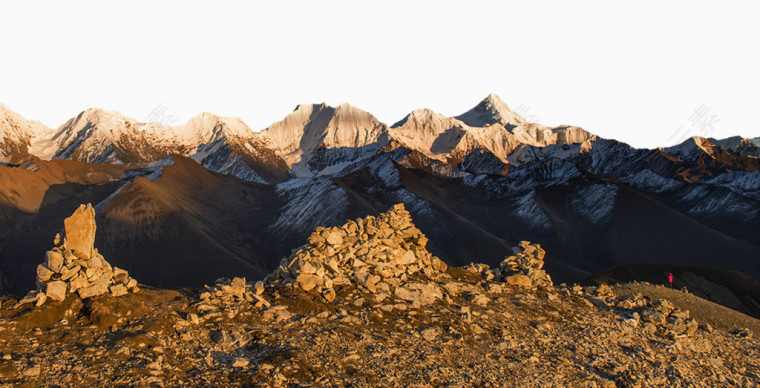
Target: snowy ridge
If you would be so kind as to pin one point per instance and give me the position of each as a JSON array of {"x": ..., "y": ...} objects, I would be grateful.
[
  {"x": 530, "y": 212},
  {"x": 310, "y": 202},
  {"x": 649, "y": 181},
  {"x": 595, "y": 202},
  {"x": 101, "y": 136},
  {"x": 704, "y": 200},
  {"x": 746, "y": 183}
]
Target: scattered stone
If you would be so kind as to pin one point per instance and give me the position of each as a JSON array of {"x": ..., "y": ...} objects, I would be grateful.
[
  {"x": 32, "y": 372},
  {"x": 429, "y": 334},
  {"x": 742, "y": 332},
  {"x": 227, "y": 296},
  {"x": 519, "y": 280}
]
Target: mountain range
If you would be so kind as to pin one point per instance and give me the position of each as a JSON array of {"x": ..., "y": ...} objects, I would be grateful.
[{"x": 184, "y": 205}]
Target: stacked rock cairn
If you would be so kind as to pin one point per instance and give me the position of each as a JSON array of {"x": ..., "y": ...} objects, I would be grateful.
[
  {"x": 377, "y": 254},
  {"x": 75, "y": 266},
  {"x": 525, "y": 267}
]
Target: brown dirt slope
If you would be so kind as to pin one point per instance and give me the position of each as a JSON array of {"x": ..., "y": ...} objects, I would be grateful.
[
  {"x": 728, "y": 288},
  {"x": 190, "y": 227}
]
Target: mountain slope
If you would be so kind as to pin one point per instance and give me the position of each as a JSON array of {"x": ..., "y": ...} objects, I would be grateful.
[{"x": 190, "y": 226}]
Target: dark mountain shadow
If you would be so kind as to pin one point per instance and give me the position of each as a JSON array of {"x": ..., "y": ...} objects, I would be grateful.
[
  {"x": 443, "y": 143},
  {"x": 190, "y": 227},
  {"x": 24, "y": 243}
]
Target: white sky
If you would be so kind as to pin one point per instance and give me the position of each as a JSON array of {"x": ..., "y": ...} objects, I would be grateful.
[{"x": 634, "y": 71}]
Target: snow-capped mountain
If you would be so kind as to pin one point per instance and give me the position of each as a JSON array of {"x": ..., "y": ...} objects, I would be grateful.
[
  {"x": 476, "y": 184},
  {"x": 221, "y": 144},
  {"x": 20, "y": 136},
  {"x": 480, "y": 140},
  {"x": 492, "y": 110},
  {"x": 316, "y": 137}
]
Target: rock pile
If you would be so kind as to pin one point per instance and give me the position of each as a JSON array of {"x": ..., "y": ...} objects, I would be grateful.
[
  {"x": 671, "y": 321},
  {"x": 524, "y": 268},
  {"x": 226, "y": 297},
  {"x": 75, "y": 266},
  {"x": 381, "y": 255},
  {"x": 658, "y": 316}
]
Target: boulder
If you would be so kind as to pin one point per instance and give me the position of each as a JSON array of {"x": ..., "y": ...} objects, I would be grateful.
[
  {"x": 118, "y": 290},
  {"x": 519, "y": 280},
  {"x": 80, "y": 231},
  {"x": 334, "y": 238},
  {"x": 54, "y": 261},
  {"x": 43, "y": 273},
  {"x": 56, "y": 290},
  {"x": 94, "y": 289}
]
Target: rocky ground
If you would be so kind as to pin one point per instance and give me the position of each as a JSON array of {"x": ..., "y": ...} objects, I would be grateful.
[{"x": 353, "y": 308}]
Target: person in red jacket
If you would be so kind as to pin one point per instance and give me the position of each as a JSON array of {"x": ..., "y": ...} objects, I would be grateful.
[{"x": 670, "y": 280}]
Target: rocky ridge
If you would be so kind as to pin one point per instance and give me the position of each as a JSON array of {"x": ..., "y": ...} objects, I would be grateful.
[
  {"x": 74, "y": 265},
  {"x": 356, "y": 306}
]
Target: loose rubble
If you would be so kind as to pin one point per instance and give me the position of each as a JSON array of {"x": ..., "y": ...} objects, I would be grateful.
[
  {"x": 365, "y": 304},
  {"x": 74, "y": 265},
  {"x": 226, "y": 296}
]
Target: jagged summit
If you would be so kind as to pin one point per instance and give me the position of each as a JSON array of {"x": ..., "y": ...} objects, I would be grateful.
[
  {"x": 492, "y": 110},
  {"x": 733, "y": 151},
  {"x": 316, "y": 136},
  {"x": 313, "y": 140},
  {"x": 222, "y": 144}
]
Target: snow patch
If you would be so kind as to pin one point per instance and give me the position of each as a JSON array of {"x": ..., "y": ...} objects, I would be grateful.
[
  {"x": 309, "y": 203},
  {"x": 595, "y": 202},
  {"x": 649, "y": 181},
  {"x": 530, "y": 212}
]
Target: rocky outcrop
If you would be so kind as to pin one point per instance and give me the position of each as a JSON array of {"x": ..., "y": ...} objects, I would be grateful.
[
  {"x": 74, "y": 265},
  {"x": 341, "y": 304}
]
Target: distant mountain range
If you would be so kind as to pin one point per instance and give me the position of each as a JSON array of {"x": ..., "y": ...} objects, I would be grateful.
[{"x": 183, "y": 205}]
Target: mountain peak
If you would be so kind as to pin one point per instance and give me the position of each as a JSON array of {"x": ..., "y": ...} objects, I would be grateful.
[
  {"x": 491, "y": 111},
  {"x": 106, "y": 118},
  {"x": 17, "y": 134},
  {"x": 310, "y": 107},
  {"x": 493, "y": 98},
  {"x": 427, "y": 115}
]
